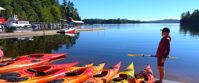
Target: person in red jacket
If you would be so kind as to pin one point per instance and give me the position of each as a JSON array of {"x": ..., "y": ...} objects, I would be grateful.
[
  {"x": 163, "y": 51},
  {"x": 1, "y": 53}
]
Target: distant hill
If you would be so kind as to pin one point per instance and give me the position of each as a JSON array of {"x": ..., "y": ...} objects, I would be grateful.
[
  {"x": 124, "y": 21},
  {"x": 163, "y": 21}
]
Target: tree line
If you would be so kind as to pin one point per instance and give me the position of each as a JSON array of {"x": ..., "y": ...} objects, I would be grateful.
[
  {"x": 39, "y": 10},
  {"x": 190, "y": 18},
  {"x": 109, "y": 21}
]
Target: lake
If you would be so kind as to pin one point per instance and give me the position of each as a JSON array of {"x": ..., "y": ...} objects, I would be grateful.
[{"x": 113, "y": 45}]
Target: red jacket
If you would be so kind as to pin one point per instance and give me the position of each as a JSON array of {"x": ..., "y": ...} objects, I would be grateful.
[
  {"x": 164, "y": 47},
  {"x": 1, "y": 53}
]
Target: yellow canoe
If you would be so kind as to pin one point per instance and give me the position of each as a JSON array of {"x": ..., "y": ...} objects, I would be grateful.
[{"x": 124, "y": 76}]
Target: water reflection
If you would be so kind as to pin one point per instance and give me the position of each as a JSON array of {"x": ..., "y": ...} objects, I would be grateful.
[
  {"x": 193, "y": 30},
  {"x": 41, "y": 44},
  {"x": 25, "y": 38}
]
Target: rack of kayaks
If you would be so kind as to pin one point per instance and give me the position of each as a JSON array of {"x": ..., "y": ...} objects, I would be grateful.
[{"x": 38, "y": 68}]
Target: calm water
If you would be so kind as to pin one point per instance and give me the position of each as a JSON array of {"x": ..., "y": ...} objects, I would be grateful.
[{"x": 113, "y": 44}]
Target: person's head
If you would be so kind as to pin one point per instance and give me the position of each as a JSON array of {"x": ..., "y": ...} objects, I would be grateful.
[{"x": 165, "y": 31}]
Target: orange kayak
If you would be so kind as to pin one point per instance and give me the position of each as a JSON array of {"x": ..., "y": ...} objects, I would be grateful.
[
  {"x": 48, "y": 76},
  {"x": 42, "y": 56},
  {"x": 105, "y": 76},
  {"x": 145, "y": 76},
  {"x": 36, "y": 56},
  {"x": 35, "y": 71},
  {"x": 25, "y": 62},
  {"x": 82, "y": 74}
]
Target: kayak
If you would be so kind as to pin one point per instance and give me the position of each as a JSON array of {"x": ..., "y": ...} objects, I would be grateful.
[
  {"x": 35, "y": 70},
  {"x": 145, "y": 76},
  {"x": 42, "y": 55},
  {"x": 80, "y": 75},
  {"x": 1, "y": 53},
  {"x": 124, "y": 76},
  {"x": 3, "y": 81},
  {"x": 35, "y": 56},
  {"x": 5, "y": 59},
  {"x": 48, "y": 76},
  {"x": 25, "y": 62},
  {"x": 105, "y": 76}
]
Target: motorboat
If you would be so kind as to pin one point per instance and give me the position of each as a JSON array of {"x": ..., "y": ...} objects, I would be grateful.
[{"x": 68, "y": 30}]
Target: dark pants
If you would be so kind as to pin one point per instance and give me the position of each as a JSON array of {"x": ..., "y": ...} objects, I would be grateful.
[{"x": 160, "y": 62}]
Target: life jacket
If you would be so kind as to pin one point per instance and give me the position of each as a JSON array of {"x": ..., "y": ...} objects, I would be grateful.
[
  {"x": 1, "y": 53},
  {"x": 164, "y": 47}
]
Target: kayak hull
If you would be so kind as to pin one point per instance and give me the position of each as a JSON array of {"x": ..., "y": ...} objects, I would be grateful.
[
  {"x": 32, "y": 60},
  {"x": 35, "y": 70},
  {"x": 52, "y": 75}
]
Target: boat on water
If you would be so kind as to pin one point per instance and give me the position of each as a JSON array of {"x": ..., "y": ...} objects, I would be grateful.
[
  {"x": 68, "y": 31},
  {"x": 71, "y": 27}
]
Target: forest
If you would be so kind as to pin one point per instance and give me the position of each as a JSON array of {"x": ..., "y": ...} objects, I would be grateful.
[
  {"x": 190, "y": 18},
  {"x": 110, "y": 21},
  {"x": 39, "y": 10}
]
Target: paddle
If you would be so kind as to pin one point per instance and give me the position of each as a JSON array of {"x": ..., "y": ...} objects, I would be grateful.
[{"x": 148, "y": 55}]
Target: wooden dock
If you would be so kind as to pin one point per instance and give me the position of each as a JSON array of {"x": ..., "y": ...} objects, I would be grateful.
[
  {"x": 40, "y": 33},
  {"x": 167, "y": 81}
]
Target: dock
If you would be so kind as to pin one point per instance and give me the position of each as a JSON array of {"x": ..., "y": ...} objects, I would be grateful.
[
  {"x": 40, "y": 33},
  {"x": 167, "y": 81}
]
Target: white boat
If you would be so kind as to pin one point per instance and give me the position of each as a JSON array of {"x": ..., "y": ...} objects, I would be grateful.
[
  {"x": 70, "y": 34},
  {"x": 14, "y": 22},
  {"x": 69, "y": 31}
]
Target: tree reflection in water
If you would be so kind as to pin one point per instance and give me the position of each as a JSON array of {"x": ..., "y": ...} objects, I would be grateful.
[
  {"x": 193, "y": 30},
  {"x": 40, "y": 44}
]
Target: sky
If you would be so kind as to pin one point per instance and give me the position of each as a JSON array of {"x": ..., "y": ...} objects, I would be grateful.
[{"x": 134, "y": 9}]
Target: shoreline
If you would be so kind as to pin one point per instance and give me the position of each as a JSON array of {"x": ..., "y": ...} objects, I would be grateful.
[{"x": 40, "y": 33}]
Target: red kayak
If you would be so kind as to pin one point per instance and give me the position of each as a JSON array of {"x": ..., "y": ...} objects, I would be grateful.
[
  {"x": 35, "y": 70},
  {"x": 58, "y": 74},
  {"x": 42, "y": 56},
  {"x": 25, "y": 62}
]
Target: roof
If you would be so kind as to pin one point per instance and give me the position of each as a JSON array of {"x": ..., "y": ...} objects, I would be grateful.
[{"x": 78, "y": 22}]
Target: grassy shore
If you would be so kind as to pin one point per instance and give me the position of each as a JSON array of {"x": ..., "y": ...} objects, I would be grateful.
[{"x": 40, "y": 33}]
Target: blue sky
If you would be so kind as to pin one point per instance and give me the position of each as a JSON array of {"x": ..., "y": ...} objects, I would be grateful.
[{"x": 134, "y": 9}]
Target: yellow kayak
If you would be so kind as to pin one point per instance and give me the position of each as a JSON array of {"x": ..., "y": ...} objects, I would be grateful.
[
  {"x": 104, "y": 76},
  {"x": 5, "y": 59},
  {"x": 124, "y": 76}
]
